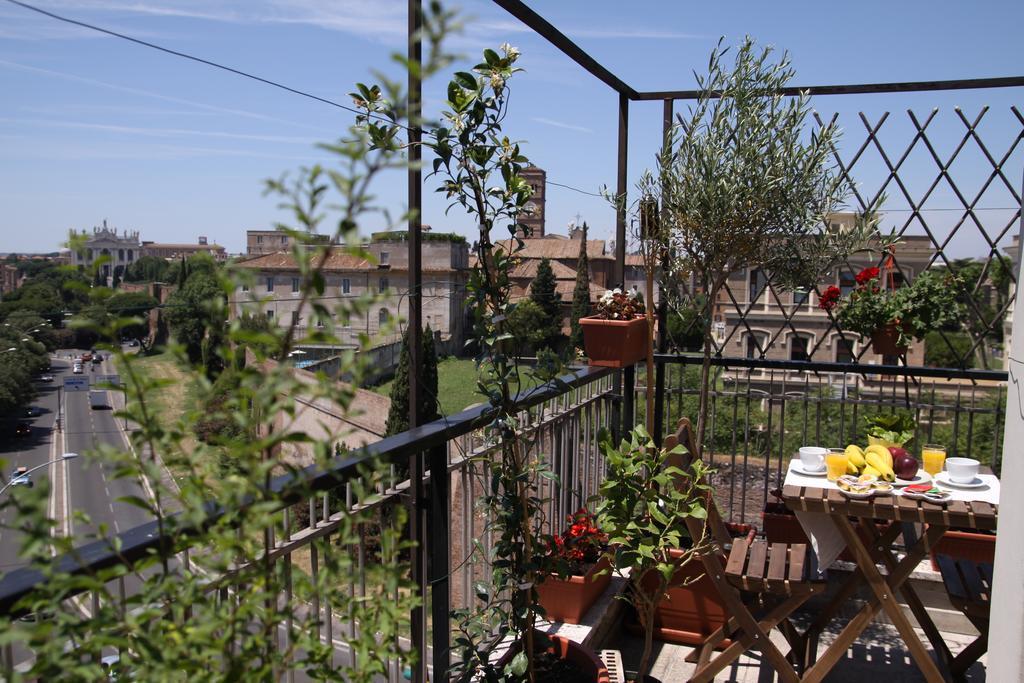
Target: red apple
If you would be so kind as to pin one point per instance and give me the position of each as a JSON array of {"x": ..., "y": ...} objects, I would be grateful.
[
  {"x": 905, "y": 465},
  {"x": 897, "y": 451}
]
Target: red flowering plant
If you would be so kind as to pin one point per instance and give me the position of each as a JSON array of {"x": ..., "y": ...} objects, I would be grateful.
[
  {"x": 926, "y": 304},
  {"x": 576, "y": 549}
]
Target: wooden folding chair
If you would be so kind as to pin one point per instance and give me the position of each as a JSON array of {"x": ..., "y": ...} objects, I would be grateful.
[{"x": 775, "y": 579}]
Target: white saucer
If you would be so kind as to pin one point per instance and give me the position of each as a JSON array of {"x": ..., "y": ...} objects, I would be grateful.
[
  {"x": 922, "y": 477},
  {"x": 943, "y": 478},
  {"x": 859, "y": 495},
  {"x": 798, "y": 467}
]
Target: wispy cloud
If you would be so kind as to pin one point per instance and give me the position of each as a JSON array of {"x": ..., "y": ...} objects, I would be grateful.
[
  {"x": 161, "y": 132},
  {"x": 560, "y": 124},
  {"x": 618, "y": 33},
  {"x": 165, "y": 98}
]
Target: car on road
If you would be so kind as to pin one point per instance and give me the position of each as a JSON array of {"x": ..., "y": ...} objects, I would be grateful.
[
  {"x": 20, "y": 477},
  {"x": 22, "y": 429},
  {"x": 33, "y": 411},
  {"x": 46, "y": 378},
  {"x": 97, "y": 399},
  {"x": 77, "y": 369}
]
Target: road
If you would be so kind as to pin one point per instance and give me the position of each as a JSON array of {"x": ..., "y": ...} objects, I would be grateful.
[{"x": 30, "y": 451}]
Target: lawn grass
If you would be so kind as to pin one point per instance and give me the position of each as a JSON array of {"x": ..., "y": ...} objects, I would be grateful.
[{"x": 456, "y": 380}]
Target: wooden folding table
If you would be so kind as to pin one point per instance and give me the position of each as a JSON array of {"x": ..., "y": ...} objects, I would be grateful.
[{"x": 873, "y": 546}]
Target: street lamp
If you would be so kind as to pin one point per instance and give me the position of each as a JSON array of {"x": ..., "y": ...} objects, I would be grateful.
[{"x": 63, "y": 458}]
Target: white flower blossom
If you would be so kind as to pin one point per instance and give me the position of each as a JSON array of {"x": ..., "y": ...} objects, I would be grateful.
[{"x": 510, "y": 52}]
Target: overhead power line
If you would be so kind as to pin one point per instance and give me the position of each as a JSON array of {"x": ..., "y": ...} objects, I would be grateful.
[{"x": 229, "y": 69}]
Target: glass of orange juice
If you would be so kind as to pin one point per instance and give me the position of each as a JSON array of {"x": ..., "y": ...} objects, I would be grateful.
[
  {"x": 835, "y": 463},
  {"x": 934, "y": 457}
]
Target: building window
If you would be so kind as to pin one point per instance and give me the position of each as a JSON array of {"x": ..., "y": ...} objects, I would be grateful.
[
  {"x": 890, "y": 360},
  {"x": 800, "y": 297},
  {"x": 284, "y": 239},
  {"x": 131, "y": 255},
  {"x": 382, "y": 317},
  {"x": 844, "y": 350},
  {"x": 120, "y": 254},
  {"x": 758, "y": 281},
  {"x": 270, "y": 283},
  {"x": 90, "y": 254},
  {"x": 384, "y": 258},
  {"x": 382, "y": 286},
  {"x": 259, "y": 239},
  {"x": 755, "y": 345},
  {"x": 846, "y": 283},
  {"x": 270, "y": 314},
  {"x": 295, "y": 285},
  {"x": 245, "y": 287},
  {"x": 346, "y": 285},
  {"x": 798, "y": 347},
  {"x": 295, "y": 318}
]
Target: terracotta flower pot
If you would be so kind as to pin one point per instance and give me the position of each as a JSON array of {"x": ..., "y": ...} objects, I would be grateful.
[
  {"x": 615, "y": 343},
  {"x": 884, "y": 340},
  {"x": 568, "y": 600},
  {"x": 965, "y": 545},
  {"x": 584, "y": 658},
  {"x": 689, "y": 613}
]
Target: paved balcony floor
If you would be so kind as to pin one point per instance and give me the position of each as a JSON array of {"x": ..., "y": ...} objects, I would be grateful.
[{"x": 879, "y": 654}]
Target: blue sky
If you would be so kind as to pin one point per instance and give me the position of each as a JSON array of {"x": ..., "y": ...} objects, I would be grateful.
[{"x": 94, "y": 128}]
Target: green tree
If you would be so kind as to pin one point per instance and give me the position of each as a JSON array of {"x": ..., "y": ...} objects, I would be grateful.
[
  {"x": 398, "y": 414},
  {"x": 193, "y": 311},
  {"x": 542, "y": 293},
  {"x": 147, "y": 269},
  {"x": 528, "y": 324},
  {"x": 580, "y": 294},
  {"x": 135, "y": 305}
]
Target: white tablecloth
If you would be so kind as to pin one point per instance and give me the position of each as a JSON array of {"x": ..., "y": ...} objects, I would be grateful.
[{"x": 822, "y": 532}]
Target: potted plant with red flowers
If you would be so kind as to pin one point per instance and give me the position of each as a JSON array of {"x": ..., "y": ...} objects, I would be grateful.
[
  {"x": 617, "y": 335},
  {"x": 579, "y": 570},
  {"x": 890, "y": 315}
]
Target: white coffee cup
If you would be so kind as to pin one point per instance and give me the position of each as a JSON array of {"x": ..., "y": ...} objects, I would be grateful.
[
  {"x": 962, "y": 470},
  {"x": 812, "y": 458}
]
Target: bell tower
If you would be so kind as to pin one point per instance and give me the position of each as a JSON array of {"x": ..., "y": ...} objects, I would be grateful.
[{"x": 533, "y": 214}]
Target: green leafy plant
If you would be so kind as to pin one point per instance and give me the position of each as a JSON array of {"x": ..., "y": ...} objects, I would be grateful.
[
  {"x": 897, "y": 428},
  {"x": 644, "y": 508},
  {"x": 927, "y": 304}
]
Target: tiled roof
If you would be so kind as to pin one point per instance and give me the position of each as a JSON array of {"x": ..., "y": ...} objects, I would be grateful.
[
  {"x": 539, "y": 247},
  {"x": 527, "y": 268},
  {"x": 283, "y": 260}
]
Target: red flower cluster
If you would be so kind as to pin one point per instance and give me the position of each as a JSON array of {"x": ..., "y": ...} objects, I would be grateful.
[
  {"x": 867, "y": 275},
  {"x": 830, "y": 298},
  {"x": 578, "y": 546}
]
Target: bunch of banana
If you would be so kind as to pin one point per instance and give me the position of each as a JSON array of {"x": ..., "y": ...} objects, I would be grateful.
[{"x": 874, "y": 460}]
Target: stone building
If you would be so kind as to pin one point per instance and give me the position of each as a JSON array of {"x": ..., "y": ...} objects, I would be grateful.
[
  {"x": 258, "y": 242},
  {"x": 791, "y": 324},
  {"x": 173, "y": 251},
  {"x": 277, "y": 283},
  {"x": 119, "y": 250}
]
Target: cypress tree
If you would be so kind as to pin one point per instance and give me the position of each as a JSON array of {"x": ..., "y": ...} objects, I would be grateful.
[
  {"x": 581, "y": 294},
  {"x": 398, "y": 414},
  {"x": 542, "y": 293}
]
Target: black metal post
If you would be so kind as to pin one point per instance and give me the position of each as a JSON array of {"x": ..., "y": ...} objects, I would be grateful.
[
  {"x": 660, "y": 399},
  {"x": 628, "y": 399},
  {"x": 619, "y": 276},
  {"x": 417, "y": 517},
  {"x": 437, "y": 532}
]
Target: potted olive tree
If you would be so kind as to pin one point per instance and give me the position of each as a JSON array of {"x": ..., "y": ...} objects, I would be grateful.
[{"x": 744, "y": 184}]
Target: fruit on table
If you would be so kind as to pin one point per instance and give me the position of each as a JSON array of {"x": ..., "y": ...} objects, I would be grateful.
[
  {"x": 855, "y": 456},
  {"x": 882, "y": 452},
  {"x": 868, "y": 469},
  {"x": 881, "y": 465},
  {"x": 905, "y": 466}
]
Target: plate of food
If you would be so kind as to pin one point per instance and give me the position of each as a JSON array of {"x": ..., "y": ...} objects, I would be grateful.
[
  {"x": 863, "y": 487},
  {"x": 927, "y": 493}
]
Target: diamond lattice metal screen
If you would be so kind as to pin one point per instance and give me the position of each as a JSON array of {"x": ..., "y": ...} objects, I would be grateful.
[{"x": 952, "y": 183}]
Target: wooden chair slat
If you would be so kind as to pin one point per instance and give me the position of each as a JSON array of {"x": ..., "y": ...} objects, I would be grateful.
[
  {"x": 737, "y": 557},
  {"x": 797, "y": 557},
  {"x": 758, "y": 554},
  {"x": 777, "y": 563}
]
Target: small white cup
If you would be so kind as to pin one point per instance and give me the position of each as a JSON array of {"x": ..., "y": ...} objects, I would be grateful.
[
  {"x": 812, "y": 458},
  {"x": 962, "y": 470}
]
